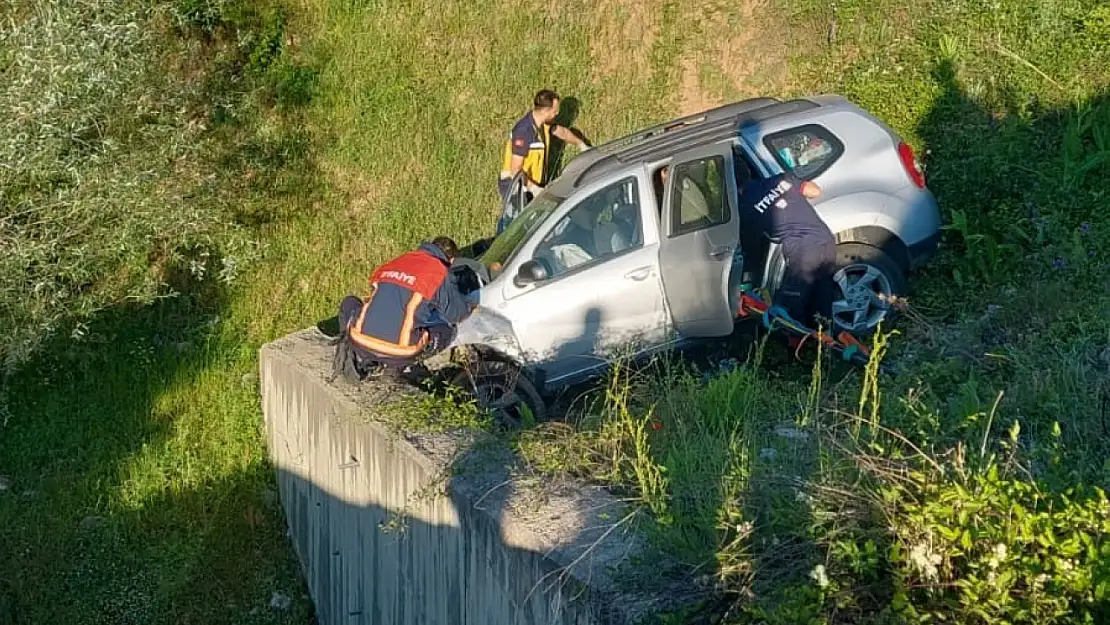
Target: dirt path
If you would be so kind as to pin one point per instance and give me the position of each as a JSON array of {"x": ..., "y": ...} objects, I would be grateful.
[{"x": 736, "y": 50}]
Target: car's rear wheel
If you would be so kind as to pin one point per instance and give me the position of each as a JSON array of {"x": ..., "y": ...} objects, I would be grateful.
[
  {"x": 504, "y": 390},
  {"x": 866, "y": 281}
]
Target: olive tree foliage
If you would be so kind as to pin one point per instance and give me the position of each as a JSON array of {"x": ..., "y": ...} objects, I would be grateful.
[{"x": 104, "y": 176}]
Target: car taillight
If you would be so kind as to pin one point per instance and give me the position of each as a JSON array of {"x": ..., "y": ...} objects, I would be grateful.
[{"x": 912, "y": 167}]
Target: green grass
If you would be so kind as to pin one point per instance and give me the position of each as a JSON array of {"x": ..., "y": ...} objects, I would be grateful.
[
  {"x": 337, "y": 134},
  {"x": 136, "y": 484}
]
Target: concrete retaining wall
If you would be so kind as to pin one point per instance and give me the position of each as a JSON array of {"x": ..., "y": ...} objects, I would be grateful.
[{"x": 388, "y": 532}]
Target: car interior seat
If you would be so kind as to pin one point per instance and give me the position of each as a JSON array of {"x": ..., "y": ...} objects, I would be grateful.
[
  {"x": 693, "y": 205},
  {"x": 619, "y": 234}
]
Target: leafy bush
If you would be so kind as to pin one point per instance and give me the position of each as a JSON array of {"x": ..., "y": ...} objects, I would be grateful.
[
  {"x": 912, "y": 532},
  {"x": 995, "y": 548},
  {"x": 109, "y": 176}
]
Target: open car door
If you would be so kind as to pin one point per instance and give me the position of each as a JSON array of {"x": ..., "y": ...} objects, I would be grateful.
[{"x": 700, "y": 236}]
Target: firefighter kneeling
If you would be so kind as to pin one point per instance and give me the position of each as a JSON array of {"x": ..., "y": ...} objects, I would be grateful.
[{"x": 410, "y": 314}]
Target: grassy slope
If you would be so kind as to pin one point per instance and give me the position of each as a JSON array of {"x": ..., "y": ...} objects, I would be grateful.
[
  {"x": 1008, "y": 100},
  {"x": 408, "y": 121}
]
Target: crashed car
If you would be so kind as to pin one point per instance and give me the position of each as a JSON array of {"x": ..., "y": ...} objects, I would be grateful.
[{"x": 608, "y": 260}]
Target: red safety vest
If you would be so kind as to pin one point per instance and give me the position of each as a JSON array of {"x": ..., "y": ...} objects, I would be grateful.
[{"x": 417, "y": 272}]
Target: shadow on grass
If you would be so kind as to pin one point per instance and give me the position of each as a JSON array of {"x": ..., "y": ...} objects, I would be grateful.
[
  {"x": 1016, "y": 183},
  {"x": 91, "y": 528},
  {"x": 1023, "y": 187},
  {"x": 118, "y": 505},
  {"x": 569, "y": 110}
]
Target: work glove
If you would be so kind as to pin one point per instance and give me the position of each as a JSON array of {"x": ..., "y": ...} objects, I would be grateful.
[{"x": 533, "y": 189}]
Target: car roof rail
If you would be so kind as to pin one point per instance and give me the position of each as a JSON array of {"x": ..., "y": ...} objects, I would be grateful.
[
  {"x": 687, "y": 132},
  {"x": 716, "y": 114}
]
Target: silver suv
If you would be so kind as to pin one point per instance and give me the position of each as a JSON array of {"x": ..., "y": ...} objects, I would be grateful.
[{"x": 608, "y": 258}]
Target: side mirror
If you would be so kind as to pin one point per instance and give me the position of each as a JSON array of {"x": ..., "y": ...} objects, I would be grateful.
[{"x": 530, "y": 272}]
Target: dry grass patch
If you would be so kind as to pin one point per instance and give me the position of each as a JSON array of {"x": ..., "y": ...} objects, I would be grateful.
[
  {"x": 738, "y": 51},
  {"x": 626, "y": 32}
]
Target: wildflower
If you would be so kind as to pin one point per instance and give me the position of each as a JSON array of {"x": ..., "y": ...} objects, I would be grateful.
[
  {"x": 997, "y": 556},
  {"x": 1058, "y": 263},
  {"x": 925, "y": 561},
  {"x": 655, "y": 425},
  {"x": 818, "y": 575},
  {"x": 1085, "y": 227}
]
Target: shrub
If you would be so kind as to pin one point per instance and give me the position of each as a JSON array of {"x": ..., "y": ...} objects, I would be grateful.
[
  {"x": 109, "y": 169},
  {"x": 991, "y": 548}
]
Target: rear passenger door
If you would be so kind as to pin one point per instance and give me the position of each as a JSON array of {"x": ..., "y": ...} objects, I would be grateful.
[{"x": 699, "y": 241}]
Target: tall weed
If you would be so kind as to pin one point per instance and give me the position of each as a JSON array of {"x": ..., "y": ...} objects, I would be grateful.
[{"x": 110, "y": 173}]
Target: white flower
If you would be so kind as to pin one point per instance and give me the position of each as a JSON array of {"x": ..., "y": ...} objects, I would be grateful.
[
  {"x": 998, "y": 555},
  {"x": 925, "y": 561},
  {"x": 818, "y": 574}
]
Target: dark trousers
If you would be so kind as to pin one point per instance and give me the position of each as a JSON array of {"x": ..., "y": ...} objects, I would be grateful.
[
  {"x": 440, "y": 336},
  {"x": 807, "y": 287}
]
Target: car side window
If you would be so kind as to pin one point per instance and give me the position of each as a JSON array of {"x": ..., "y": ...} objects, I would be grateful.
[
  {"x": 807, "y": 151},
  {"x": 699, "y": 199},
  {"x": 601, "y": 226}
]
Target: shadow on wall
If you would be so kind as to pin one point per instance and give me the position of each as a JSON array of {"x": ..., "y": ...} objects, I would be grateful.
[
  {"x": 401, "y": 529},
  {"x": 447, "y": 563}
]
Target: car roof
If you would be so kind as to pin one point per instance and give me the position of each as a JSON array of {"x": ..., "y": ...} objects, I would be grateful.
[{"x": 666, "y": 139}]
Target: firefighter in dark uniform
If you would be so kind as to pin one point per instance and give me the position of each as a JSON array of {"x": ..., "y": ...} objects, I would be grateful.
[
  {"x": 411, "y": 312},
  {"x": 527, "y": 148},
  {"x": 779, "y": 208}
]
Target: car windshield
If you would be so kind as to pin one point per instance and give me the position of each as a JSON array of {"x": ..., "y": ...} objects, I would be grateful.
[{"x": 505, "y": 247}]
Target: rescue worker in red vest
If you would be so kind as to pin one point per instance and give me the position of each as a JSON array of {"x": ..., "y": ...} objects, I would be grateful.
[{"x": 412, "y": 310}]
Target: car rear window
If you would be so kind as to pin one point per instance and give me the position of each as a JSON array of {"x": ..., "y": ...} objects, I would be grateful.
[{"x": 806, "y": 151}]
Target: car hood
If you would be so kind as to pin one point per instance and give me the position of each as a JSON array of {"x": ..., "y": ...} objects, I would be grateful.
[{"x": 487, "y": 328}]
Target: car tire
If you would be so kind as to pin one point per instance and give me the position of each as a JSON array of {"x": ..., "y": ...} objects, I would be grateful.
[
  {"x": 864, "y": 272},
  {"x": 503, "y": 389}
]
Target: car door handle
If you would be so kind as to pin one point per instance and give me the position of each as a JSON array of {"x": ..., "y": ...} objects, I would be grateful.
[
  {"x": 720, "y": 250},
  {"x": 638, "y": 274}
]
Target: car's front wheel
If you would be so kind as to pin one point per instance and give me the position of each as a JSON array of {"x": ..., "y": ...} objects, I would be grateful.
[
  {"x": 866, "y": 281},
  {"x": 504, "y": 390}
]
